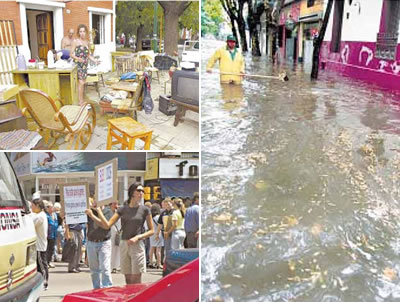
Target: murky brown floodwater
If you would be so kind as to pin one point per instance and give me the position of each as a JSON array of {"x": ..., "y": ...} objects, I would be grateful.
[{"x": 300, "y": 187}]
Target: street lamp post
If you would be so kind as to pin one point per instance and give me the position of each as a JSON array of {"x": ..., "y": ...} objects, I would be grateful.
[{"x": 154, "y": 45}]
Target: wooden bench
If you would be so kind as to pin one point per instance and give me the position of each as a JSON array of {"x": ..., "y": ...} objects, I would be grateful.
[{"x": 181, "y": 110}]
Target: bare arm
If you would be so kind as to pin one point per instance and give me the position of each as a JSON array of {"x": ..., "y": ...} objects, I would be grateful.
[
  {"x": 95, "y": 219},
  {"x": 63, "y": 46},
  {"x": 106, "y": 224}
]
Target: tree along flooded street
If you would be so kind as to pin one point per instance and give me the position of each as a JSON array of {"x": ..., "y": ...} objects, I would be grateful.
[{"x": 300, "y": 184}]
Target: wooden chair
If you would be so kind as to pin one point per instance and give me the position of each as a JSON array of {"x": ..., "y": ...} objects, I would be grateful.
[
  {"x": 149, "y": 68},
  {"x": 126, "y": 130},
  {"x": 76, "y": 122}
]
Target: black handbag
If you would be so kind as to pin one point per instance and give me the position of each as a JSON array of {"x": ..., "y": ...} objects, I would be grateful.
[
  {"x": 69, "y": 251},
  {"x": 117, "y": 239}
]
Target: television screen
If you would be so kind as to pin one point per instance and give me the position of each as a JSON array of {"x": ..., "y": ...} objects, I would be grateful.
[{"x": 185, "y": 87}]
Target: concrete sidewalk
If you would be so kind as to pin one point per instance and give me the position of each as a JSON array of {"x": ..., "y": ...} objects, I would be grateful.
[
  {"x": 61, "y": 282},
  {"x": 166, "y": 136}
]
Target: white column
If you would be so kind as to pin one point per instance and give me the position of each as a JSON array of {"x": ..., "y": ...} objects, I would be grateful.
[
  {"x": 36, "y": 183},
  {"x": 126, "y": 186},
  {"x": 24, "y": 47},
  {"x": 58, "y": 27}
]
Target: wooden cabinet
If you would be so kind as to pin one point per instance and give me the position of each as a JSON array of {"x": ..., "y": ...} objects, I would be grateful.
[{"x": 57, "y": 83}]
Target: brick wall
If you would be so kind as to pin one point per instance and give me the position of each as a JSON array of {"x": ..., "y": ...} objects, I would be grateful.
[
  {"x": 80, "y": 15},
  {"x": 9, "y": 10}
]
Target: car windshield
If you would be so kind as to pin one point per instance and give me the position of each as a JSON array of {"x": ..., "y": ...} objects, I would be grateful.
[{"x": 9, "y": 192}]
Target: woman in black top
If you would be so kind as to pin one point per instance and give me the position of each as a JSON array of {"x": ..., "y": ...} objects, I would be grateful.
[{"x": 133, "y": 215}]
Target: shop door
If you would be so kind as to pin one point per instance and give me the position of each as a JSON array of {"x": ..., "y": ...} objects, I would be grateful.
[
  {"x": 45, "y": 35},
  {"x": 308, "y": 51},
  {"x": 291, "y": 49}
]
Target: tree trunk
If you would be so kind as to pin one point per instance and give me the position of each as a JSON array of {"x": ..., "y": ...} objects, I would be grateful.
[
  {"x": 172, "y": 11},
  {"x": 234, "y": 30},
  {"x": 242, "y": 27},
  {"x": 139, "y": 37},
  {"x": 318, "y": 42},
  {"x": 255, "y": 44}
]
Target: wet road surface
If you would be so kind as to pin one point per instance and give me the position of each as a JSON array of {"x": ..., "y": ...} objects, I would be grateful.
[{"x": 300, "y": 185}]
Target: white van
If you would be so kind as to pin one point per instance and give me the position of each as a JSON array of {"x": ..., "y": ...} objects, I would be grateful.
[{"x": 19, "y": 278}]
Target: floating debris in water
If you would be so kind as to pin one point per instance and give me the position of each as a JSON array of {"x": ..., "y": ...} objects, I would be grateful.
[{"x": 390, "y": 273}]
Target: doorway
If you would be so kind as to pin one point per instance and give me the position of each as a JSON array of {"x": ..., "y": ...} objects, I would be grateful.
[{"x": 40, "y": 33}]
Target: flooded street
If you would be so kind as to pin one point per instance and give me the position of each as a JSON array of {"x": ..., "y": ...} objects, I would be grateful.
[{"x": 300, "y": 185}]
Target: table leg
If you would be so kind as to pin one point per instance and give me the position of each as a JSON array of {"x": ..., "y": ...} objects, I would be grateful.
[
  {"x": 109, "y": 138},
  {"x": 131, "y": 143},
  {"x": 147, "y": 142}
]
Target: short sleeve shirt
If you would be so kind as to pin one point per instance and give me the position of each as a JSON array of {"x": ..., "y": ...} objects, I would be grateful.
[
  {"x": 177, "y": 215},
  {"x": 132, "y": 220}
]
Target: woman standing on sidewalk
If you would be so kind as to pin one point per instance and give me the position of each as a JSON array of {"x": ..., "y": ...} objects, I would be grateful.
[
  {"x": 178, "y": 230},
  {"x": 133, "y": 215}
]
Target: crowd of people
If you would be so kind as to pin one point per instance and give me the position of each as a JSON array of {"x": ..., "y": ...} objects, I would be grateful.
[{"x": 128, "y": 238}]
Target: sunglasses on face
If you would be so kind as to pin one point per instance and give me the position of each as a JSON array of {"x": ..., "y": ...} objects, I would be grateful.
[{"x": 140, "y": 190}]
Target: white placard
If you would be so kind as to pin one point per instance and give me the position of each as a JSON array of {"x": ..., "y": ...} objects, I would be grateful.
[
  {"x": 75, "y": 202},
  {"x": 106, "y": 182}
]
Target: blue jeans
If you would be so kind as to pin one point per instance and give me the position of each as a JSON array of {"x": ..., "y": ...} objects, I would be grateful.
[{"x": 99, "y": 257}]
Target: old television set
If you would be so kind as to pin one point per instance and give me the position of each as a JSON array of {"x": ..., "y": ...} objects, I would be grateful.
[{"x": 185, "y": 87}]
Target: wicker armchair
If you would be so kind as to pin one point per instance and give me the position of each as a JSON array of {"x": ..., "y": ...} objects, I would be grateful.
[{"x": 76, "y": 122}]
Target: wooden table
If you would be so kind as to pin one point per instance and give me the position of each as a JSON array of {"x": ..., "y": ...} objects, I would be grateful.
[
  {"x": 181, "y": 110},
  {"x": 57, "y": 83},
  {"x": 8, "y": 91}
]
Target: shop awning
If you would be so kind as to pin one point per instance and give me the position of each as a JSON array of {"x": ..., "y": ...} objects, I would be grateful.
[{"x": 179, "y": 187}]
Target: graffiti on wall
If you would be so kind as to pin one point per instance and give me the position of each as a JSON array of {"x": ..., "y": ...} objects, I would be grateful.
[{"x": 365, "y": 58}]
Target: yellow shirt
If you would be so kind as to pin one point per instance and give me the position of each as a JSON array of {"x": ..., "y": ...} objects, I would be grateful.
[
  {"x": 177, "y": 215},
  {"x": 228, "y": 65}
]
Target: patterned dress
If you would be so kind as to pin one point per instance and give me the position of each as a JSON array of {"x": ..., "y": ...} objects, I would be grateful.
[{"x": 82, "y": 52}]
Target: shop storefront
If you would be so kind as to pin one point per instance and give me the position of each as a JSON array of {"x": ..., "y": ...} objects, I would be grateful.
[{"x": 45, "y": 171}]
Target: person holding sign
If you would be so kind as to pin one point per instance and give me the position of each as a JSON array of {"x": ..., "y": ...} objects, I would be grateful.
[
  {"x": 99, "y": 249},
  {"x": 133, "y": 215}
]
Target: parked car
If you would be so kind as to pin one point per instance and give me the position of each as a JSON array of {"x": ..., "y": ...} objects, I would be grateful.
[
  {"x": 181, "y": 285},
  {"x": 191, "y": 52},
  {"x": 177, "y": 258}
]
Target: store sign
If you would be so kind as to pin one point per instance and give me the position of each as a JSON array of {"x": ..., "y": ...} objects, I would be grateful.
[
  {"x": 75, "y": 201},
  {"x": 21, "y": 162},
  {"x": 290, "y": 24},
  {"x": 106, "y": 182},
  {"x": 178, "y": 168},
  {"x": 151, "y": 169}
]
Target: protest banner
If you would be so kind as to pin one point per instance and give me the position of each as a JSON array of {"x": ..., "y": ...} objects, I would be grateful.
[
  {"x": 74, "y": 201},
  {"x": 106, "y": 182}
]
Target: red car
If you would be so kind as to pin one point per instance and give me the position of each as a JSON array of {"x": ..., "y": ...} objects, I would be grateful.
[{"x": 182, "y": 285}]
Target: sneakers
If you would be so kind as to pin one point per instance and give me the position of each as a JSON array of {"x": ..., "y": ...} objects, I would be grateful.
[
  {"x": 51, "y": 265},
  {"x": 74, "y": 271}
]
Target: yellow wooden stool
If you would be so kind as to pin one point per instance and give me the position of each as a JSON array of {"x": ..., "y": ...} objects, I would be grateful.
[{"x": 130, "y": 130}]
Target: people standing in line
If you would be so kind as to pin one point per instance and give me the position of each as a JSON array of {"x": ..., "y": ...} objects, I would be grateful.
[
  {"x": 177, "y": 230},
  {"x": 147, "y": 240},
  {"x": 164, "y": 224},
  {"x": 99, "y": 247},
  {"x": 81, "y": 54},
  {"x": 60, "y": 230},
  {"x": 115, "y": 250},
  {"x": 231, "y": 62},
  {"x": 41, "y": 228},
  {"x": 192, "y": 223},
  {"x": 74, "y": 232},
  {"x": 156, "y": 241},
  {"x": 133, "y": 216},
  {"x": 52, "y": 223}
]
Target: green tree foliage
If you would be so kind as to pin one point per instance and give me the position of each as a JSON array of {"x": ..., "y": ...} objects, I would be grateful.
[
  {"x": 211, "y": 16},
  {"x": 190, "y": 18},
  {"x": 134, "y": 15}
]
